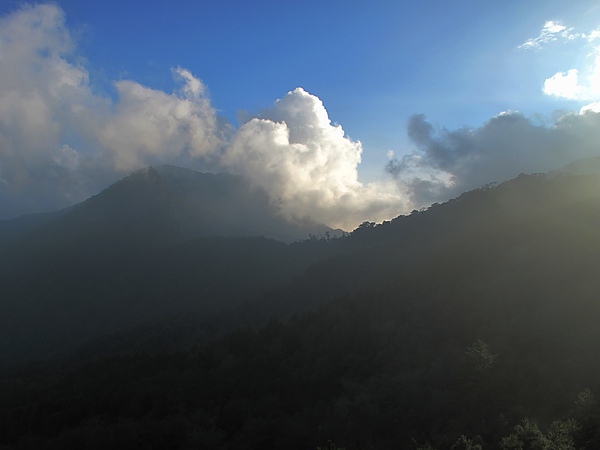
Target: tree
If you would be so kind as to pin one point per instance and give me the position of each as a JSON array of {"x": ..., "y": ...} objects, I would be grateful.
[
  {"x": 464, "y": 443},
  {"x": 478, "y": 356},
  {"x": 527, "y": 436}
]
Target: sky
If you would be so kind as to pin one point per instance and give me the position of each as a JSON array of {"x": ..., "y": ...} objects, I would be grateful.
[{"x": 344, "y": 111}]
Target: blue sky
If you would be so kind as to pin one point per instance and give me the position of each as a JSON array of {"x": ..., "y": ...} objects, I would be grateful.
[
  {"x": 386, "y": 72},
  {"x": 372, "y": 64}
]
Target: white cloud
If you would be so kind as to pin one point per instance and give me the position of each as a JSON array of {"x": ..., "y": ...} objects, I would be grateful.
[
  {"x": 150, "y": 126},
  {"x": 592, "y": 35},
  {"x": 563, "y": 85},
  {"x": 60, "y": 142},
  {"x": 42, "y": 98},
  {"x": 592, "y": 107},
  {"x": 572, "y": 86},
  {"x": 308, "y": 165}
]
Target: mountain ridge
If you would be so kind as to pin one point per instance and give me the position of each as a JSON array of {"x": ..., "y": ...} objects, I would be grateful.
[
  {"x": 168, "y": 204},
  {"x": 122, "y": 280}
]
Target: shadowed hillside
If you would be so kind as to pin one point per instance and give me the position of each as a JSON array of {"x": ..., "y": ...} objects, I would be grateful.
[{"x": 159, "y": 242}]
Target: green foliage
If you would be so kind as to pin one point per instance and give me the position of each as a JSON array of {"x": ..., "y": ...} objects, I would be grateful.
[
  {"x": 585, "y": 401},
  {"x": 561, "y": 434},
  {"x": 424, "y": 446},
  {"x": 527, "y": 436},
  {"x": 464, "y": 443},
  {"x": 478, "y": 356}
]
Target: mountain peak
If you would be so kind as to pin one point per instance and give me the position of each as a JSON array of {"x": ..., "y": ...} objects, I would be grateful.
[{"x": 172, "y": 204}]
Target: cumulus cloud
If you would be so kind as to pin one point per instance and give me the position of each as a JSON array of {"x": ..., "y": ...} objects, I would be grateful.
[
  {"x": 571, "y": 86},
  {"x": 449, "y": 162},
  {"x": 308, "y": 165},
  {"x": 564, "y": 85}
]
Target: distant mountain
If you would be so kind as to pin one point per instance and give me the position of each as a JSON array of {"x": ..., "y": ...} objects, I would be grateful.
[
  {"x": 13, "y": 228},
  {"x": 587, "y": 166},
  {"x": 165, "y": 205}
]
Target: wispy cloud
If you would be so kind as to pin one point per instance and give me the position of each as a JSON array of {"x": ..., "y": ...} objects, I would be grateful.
[
  {"x": 593, "y": 36},
  {"x": 552, "y": 31}
]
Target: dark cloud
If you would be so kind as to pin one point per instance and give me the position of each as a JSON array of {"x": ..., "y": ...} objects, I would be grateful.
[{"x": 449, "y": 162}]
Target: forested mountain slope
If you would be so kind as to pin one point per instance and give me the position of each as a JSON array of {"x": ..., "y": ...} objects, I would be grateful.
[{"x": 475, "y": 318}]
